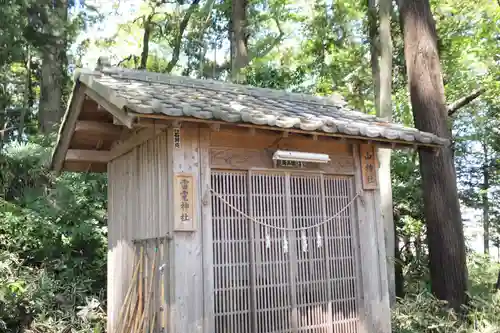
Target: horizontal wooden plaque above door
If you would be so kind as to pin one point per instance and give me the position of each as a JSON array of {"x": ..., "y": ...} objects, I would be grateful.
[{"x": 245, "y": 159}]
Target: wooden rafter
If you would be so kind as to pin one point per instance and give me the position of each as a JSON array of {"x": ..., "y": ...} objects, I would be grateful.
[
  {"x": 69, "y": 122},
  {"x": 84, "y": 167},
  {"x": 92, "y": 126},
  {"x": 98, "y": 128},
  {"x": 88, "y": 156},
  {"x": 117, "y": 113},
  {"x": 133, "y": 141}
]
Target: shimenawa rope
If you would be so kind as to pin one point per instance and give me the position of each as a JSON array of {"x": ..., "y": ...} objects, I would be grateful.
[{"x": 282, "y": 228}]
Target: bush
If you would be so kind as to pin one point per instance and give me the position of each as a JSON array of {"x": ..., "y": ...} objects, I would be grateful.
[
  {"x": 423, "y": 313},
  {"x": 52, "y": 246},
  {"x": 34, "y": 300}
]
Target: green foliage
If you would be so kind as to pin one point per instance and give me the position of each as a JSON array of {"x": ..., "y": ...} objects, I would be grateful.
[
  {"x": 421, "y": 312},
  {"x": 52, "y": 244},
  {"x": 11, "y": 26},
  {"x": 275, "y": 77},
  {"x": 35, "y": 298}
]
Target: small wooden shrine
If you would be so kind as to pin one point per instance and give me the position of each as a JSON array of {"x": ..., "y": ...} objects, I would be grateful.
[{"x": 234, "y": 208}]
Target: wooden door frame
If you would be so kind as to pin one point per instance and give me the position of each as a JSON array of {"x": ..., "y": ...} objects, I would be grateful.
[{"x": 287, "y": 173}]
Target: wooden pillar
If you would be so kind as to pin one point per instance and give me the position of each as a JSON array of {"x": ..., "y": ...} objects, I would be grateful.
[
  {"x": 186, "y": 250},
  {"x": 375, "y": 316},
  {"x": 206, "y": 230}
]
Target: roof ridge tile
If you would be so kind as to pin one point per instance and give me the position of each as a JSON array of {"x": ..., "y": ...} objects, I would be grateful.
[{"x": 162, "y": 78}]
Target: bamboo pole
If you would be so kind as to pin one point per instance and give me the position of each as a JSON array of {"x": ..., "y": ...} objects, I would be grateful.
[
  {"x": 140, "y": 307},
  {"x": 163, "y": 311},
  {"x": 130, "y": 320},
  {"x": 152, "y": 324},
  {"x": 132, "y": 311},
  {"x": 125, "y": 305},
  {"x": 150, "y": 292}
]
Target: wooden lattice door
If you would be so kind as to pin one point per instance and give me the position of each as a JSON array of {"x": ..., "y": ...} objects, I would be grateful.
[{"x": 278, "y": 267}]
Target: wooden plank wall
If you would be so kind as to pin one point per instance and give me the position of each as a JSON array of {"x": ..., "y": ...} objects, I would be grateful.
[
  {"x": 137, "y": 210},
  {"x": 376, "y": 314},
  {"x": 141, "y": 206}
]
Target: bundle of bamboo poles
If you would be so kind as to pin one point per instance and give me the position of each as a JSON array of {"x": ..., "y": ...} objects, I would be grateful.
[{"x": 138, "y": 313}]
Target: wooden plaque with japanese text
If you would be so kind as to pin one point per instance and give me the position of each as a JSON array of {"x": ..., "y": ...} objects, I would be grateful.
[
  {"x": 177, "y": 138},
  {"x": 368, "y": 166},
  {"x": 184, "y": 201}
]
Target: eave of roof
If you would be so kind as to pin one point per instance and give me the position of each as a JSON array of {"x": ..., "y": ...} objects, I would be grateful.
[
  {"x": 159, "y": 94},
  {"x": 67, "y": 126},
  {"x": 140, "y": 94}
]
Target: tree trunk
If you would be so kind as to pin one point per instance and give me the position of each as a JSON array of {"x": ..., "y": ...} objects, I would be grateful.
[
  {"x": 398, "y": 267},
  {"x": 447, "y": 261},
  {"x": 52, "y": 71},
  {"x": 384, "y": 155},
  {"x": 50, "y": 110},
  {"x": 485, "y": 201},
  {"x": 497, "y": 285},
  {"x": 407, "y": 249},
  {"x": 239, "y": 46},
  {"x": 178, "y": 38},
  {"x": 3, "y": 117},
  {"x": 27, "y": 95},
  {"x": 145, "y": 42},
  {"x": 374, "y": 50},
  {"x": 381, "y": 62},
  {"x": 417, "y": 243}
]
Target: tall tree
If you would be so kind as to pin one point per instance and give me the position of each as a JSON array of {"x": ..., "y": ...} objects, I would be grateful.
[
  {"x": 384, "y": 155},
  {"x": 447, "y": 261},
  {"x": 239, "y": 39},
  {"x": 379, "y": 20},
  {"x": 47, "y": 29},
  {"x": 28, "y": 94},
  {"x": 485, "y": 200}
]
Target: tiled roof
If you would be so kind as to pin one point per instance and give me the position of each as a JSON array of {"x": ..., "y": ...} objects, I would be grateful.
[{"x": 144, "y": 92}]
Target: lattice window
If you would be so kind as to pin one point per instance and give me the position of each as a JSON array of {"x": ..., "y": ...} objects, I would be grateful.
[
  {"x": 271, "y": 277},
  {"x": 272, "y": 265}
]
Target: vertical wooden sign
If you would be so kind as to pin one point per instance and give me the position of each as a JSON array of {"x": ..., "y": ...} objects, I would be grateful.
[
  {"x": 368, "y": 166},
  {"x": 184, "y": 201},
  {"x": 177, "y": 138}
]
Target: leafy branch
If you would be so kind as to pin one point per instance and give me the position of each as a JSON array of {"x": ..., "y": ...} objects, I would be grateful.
[{"x": 269, "y": 45}]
